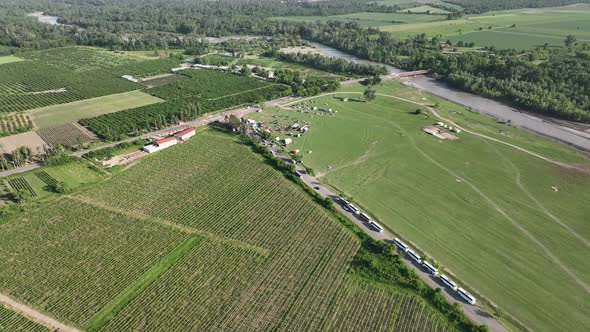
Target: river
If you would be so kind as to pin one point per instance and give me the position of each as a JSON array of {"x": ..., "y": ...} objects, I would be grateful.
[{"x": 572, "y": 134}]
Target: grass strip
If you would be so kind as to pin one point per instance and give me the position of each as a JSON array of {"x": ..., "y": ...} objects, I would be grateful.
[{"x": 109, "y": 311}]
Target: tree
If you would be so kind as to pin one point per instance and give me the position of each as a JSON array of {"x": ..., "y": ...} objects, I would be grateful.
[
  {"x": 21, "y": 195},
  {"x": 61, "y": 187},
  {"x": 234, "y": 122},
  {"x": 369, "y": 94},
  {"x": 570, "y": 40},
  {"x": 246, "y": 71}
]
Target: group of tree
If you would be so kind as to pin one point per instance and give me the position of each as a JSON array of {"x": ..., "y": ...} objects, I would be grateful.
[
  {"x": 333, "y": 65},
  {"x": 305, "y": 85},
  {"x": 482, "y": 6}
]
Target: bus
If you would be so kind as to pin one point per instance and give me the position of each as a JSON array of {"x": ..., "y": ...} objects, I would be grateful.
[
  {"x": 401, "y": 245},
  {"x": 376, "y": 226},
  {"x": 343, "y": 201},
  {"x": 354, "y": 209},
  {"x": 466, "y": 296},
  {"x": 448, "y": 282},
  {"x": 430, "y": 268},
  {"x": 365, "y": 217},
  {"x": 415, "y": 257}
]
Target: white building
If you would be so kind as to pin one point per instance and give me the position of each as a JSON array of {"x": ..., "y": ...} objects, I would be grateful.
[
  {"x": 160, "y": 144},
  {"x": 185, "y": 134}
]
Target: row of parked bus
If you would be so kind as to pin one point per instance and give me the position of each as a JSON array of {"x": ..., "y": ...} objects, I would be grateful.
[
  {"x": 432, "y": 270},
  {"x": 361, "y": 215}
]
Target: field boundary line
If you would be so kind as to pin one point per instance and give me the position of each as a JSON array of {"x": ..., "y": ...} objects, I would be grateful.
[
  {"x": 35, "y": 316},
  {"x": 120, "y": 302},
  {"x": 185, "y": 229}
]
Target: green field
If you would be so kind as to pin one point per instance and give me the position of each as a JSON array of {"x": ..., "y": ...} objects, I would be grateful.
[
  {"x": 11, "y": 321},
  {"x": 368, "y": 19},
  {"x": 424, "y": 9},
  {"x": 532, "y": 27},
  {"x": 56, "y": 115},
  {"x": 445, "y": 197},
  {"x": 75, "y": 175},
  {"x": 9, "y": 59},
  {"x": 201, "y": 236}
]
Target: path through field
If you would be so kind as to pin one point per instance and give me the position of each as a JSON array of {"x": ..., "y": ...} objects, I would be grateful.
[{"x": 35, "y": 315}]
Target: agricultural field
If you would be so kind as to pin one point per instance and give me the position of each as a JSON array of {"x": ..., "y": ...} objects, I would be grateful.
[
  {"x": 162, "y": 80},
  {"x": 15, "y": 123},
  {"x": 56, "y": 115},
  {"x": 207, "y": 84},
  {"x": 219, "y": 256},
  {"x": 519, "y": 29},
  {"x": 64, "y": 75},
  {"x": 73, "y": 249},
  {"x": 206, "y": 91},
  {"x": 19, "y": 183},
  {"x": 29, "y": 138},
  {"x": 369, "y": 19},
  {"x": 78, "y": 59},
  {"x": 74, "y": 175},
  {"x": 11, "y": 321},
  {"x": 217, "y": 59},
  {"x": 9, "y": 59},
  {"x": 68, "y": 135},
  {"x": 449, "y": 199},
  {"x": 425, "y": 9}
]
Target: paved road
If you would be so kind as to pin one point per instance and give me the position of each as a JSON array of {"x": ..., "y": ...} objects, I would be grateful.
[{"x": 474, "y": 312}]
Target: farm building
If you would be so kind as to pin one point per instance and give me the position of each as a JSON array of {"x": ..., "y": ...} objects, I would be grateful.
[
  {"x": 185, "y": 134},
  {"x": 160, "y": 144}
]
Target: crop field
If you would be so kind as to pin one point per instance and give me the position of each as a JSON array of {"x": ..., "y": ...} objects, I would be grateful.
[
  {"x": 46, "y": 177},
  {"x": 11, "y": 321},
  {"x": 206, "y": 91},
  {"x": 56, "y": 115},
  {"x": 424, "y": 9},
  {"x": 519, "y": 29},
  {"x": 162, "y": 80},
  {"x": 78, "y": 59},
  {"x": 369, "y": 19},
  {"x": 68, "y": 135},
  {"x": 15, "y": 123},
  {"x": 207, "y": 84},
  {"x": 20, "y": 183},
  {"x": 238, "y": 248},
  {"x": 382, "y": 310},
  {"x": 73, "y": 249},
  {"x": 446, "y": 197}
]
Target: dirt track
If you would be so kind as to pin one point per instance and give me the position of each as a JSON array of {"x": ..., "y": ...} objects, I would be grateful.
[{"x": 35, "y": 315}]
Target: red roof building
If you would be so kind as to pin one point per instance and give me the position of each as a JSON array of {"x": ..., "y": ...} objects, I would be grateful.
[
  {"x": 166, "y": 142},
  {"x": 185, "y": 134}
]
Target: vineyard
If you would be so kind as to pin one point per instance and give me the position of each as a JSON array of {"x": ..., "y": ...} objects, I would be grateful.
[
  {"x": 163, "y": 80},
  {"x": 382, "y": 310},
  {"x": 187, "y": 99},
  {"x": 21, "y": 184},
  {"x": 59, "y": 257},
  {"x": 63, "y": 75},
  {"x": 15, "y": 123},
  {"x": 68, "y": 135},
  {"x": 78, "y": 59},
  {"x": 207, "y": 84},
  {"x": 46, "y": 177},
  {"x": 13, "y": 322}
]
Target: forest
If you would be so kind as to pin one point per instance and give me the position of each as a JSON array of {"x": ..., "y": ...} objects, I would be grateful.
[{"x": 535, "y": 84}]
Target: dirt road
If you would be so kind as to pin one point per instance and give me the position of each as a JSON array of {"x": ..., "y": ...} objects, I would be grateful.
[{"x": 35, "y": 315}]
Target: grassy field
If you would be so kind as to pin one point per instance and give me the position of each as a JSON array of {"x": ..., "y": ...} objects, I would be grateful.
[
  {"x": 369, "y": 19},
  {"x": 9, "y": 59},
  {"x": 520, "y": 29},
  {"x": 201, "y": 236},
  {"x": 509, "y": 225},
  {"x": 424, "y": 9},
  {"x": 56, "y": 115},
  {"x": 75, "y": 175}
]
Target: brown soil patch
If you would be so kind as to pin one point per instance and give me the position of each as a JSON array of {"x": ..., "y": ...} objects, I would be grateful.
[{"x": 30, "y": 139}]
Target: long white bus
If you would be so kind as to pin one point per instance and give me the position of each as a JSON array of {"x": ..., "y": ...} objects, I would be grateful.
[
  {"x": 343, "y": 201},
  {"x": 448, "y": 282},
  {"x": 401, "y": 245},
  {"x": 365, "y": 217},
  {"x": 466, "y": 296},
  {"x": 376, "y": 226},
  {"x": 354, "y": 209},
  {"x": 415, "y": 257},
  {"x": 430, "y": 268}
]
